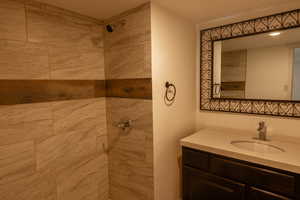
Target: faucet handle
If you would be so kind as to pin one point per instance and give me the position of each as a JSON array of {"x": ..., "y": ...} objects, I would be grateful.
[
  {"x": 261, "y": 124},
  {"x": 262, "y": 131},
  {"x": 125, "y": 124}
]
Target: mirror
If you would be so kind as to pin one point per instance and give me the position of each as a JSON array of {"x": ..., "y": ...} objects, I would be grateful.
[{"x": 262, "y": 66}]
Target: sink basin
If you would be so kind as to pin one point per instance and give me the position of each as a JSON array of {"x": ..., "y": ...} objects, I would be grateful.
[{"x": 256, "y": 146}]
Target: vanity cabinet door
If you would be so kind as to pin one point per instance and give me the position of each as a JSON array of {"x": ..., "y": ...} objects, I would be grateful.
[
  {"x": 198, "y": 185},
  {"x": 195, "y": 159},
  {"x": 267, "y": 179},
  {"x": 257, "y": 194}
]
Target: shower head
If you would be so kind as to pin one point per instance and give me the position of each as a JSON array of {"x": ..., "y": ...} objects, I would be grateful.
[
  {"x": 109, "y": 28},
  {"x": 117, "y": 25}
]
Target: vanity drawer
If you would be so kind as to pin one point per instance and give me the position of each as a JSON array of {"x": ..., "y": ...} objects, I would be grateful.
[
  {"x": 262, "y": 178},
  {"x": 257, "y": 194},
  {"x": 199, "y": 185},
  {"x": 196, "y": 159}
]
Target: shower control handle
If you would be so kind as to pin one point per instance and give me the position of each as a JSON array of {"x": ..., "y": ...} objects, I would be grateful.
[{"x": 125, "y": 124}]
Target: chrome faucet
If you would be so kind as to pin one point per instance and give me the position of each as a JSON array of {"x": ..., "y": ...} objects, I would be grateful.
[{"x": 262, "y": 131}]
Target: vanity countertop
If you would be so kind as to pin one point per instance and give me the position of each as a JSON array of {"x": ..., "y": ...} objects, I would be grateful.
[{"x": 218, "y": 141}]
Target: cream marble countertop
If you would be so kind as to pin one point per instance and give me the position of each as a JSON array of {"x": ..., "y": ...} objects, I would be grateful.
[{"x": 218, "y": 141}]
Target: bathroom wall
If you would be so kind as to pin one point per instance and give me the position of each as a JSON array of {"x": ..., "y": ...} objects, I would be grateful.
[
  {"x": 276, "y": 125},
  {"x": 173, "y": 59},
  {"x": 296, "y": 74},
  {"x": 128, "y": 60},
  {"x": 269, "y": 73},
  {"x": 51, "y": 150}
]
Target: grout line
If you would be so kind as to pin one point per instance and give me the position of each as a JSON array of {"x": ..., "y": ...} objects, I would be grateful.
[
  {"x": 26, "y": 22},
  {"x": 49, "y": 64},
  {"x": 35, "y": 154}
]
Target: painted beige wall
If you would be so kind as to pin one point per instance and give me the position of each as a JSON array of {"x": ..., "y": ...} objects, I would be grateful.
[
  {"x": 296, "y": 74},
  {"x": 217, "y": 68},
  {"x": 269, "y": 73},
  {"x": 173, "y": 59},
  {"x": 284, "y": 126}
]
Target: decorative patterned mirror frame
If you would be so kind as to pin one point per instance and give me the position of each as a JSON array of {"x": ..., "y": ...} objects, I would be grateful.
[{"x": 281, "y": 21}]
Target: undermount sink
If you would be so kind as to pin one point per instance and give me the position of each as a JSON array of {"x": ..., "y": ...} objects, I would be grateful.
[{"x": 256, "y": 146}]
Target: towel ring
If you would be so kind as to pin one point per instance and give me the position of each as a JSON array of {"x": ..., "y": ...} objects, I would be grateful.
[{"x": 170, "y": 93}]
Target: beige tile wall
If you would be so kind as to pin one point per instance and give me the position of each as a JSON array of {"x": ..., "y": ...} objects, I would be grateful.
[
  {"x": 68, "y": 150},
  {"x": 23, "y": 60},
  {"x": 42, "y": 42},
  {"x": 128, "y": 56},
  {"x": 52, "y": 151},
  {"x": 54, "y": 142},
  {"x": 127, "y": 49},
  {"x": 12, "y": 20},
  {"x": 130, "y": 151}
]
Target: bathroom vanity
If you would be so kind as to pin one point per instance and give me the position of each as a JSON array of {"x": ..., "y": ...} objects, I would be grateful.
[
  {"x": 214, "y": 167},
  {"x": 238, "y": 74}
]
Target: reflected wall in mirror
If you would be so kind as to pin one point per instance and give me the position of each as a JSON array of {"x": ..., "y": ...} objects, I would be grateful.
[{"x": 262, "y": 66}]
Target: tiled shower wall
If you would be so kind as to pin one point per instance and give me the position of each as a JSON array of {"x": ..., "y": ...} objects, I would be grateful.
[
  {"x": 128, "y": 56},
  {"x": 59, "y": 150},
  {"x": 51, "y": 151}
]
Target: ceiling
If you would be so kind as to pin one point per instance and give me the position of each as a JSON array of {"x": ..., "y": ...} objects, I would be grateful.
[
  {"x": 99, "y": 9},
  {"x": 195, "y": 10},
  {"x": 204, "y": 10}
]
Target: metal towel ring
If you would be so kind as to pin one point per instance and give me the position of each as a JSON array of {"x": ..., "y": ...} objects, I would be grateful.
[{"x": 170, "y": 89}]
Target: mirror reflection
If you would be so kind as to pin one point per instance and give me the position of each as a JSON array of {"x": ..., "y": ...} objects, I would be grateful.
[{"x": 264, "y": 66}]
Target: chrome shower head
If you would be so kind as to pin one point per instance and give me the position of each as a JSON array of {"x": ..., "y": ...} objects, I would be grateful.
[
  {"x": 116, "y": 25},
  {"x": 109, "y": 28}
]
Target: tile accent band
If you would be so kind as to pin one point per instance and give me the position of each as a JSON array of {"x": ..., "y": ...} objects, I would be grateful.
[
  {"x": 129, "y": 88},
  {"x": 36, "y": 91}
]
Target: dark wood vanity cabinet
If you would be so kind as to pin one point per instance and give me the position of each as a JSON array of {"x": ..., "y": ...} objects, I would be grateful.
[
  {"x": 207, "y": 176},
  {"x": 199, "y": 185}
]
